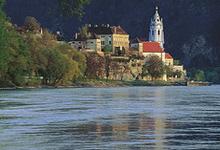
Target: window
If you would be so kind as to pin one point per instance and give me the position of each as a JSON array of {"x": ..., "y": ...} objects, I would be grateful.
[
  {"x": 103, "y": 42},
  {"x": 158, "y": 32},
  {"x": 110, "y": 42},
  {"x": 152, "y": 32}
]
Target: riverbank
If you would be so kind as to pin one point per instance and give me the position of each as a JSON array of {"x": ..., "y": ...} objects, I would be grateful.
[
  {"x": 103, "y": 84},
  {"x": 118, "y": 83}
]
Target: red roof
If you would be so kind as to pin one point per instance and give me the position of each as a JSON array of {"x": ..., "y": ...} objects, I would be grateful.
[
  {"x": 168, "y": 56},
  {"x": 152, "y": 47}
]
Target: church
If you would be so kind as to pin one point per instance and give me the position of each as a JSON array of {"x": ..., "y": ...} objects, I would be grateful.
[{"x": 155, "y": 44}]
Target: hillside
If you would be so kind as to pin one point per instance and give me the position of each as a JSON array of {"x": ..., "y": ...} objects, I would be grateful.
[{"x": 191, "y": 27}]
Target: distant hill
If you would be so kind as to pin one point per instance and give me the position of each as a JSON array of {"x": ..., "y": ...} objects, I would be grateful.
[{"x": 192, "y": 27}]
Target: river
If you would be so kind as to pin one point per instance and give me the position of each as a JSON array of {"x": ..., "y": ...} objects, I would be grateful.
[{"x": 157, "y": 118}]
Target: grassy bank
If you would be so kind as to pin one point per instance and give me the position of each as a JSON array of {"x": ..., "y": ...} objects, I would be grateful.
[
  {"x": 102, "y": 83},
  {"x": 118, "y": 83}
]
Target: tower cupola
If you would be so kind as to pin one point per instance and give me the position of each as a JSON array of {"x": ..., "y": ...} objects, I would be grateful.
[{"x": 156, "y": 33}]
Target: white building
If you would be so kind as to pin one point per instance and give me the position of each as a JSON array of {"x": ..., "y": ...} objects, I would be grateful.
[
  {"x": 93, "y": 43},
  {"x": 155, "y": 45},
  {"x": 111, "y": 36},
  {"x": 156, "y": 33}
]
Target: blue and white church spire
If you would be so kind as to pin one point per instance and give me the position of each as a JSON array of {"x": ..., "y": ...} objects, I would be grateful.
[{"x": 156, "y": 33}]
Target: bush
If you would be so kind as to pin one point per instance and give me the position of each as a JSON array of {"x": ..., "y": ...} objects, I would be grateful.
[{"x": 153, "y": 67}]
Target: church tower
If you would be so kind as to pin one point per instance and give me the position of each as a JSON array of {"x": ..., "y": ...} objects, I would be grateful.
[{"x": 156, "y": 33}]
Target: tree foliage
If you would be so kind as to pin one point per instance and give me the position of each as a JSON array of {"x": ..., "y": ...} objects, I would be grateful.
[
  {"x": 84, "y": 32},
  {"x": 153, "y": 67},
  {"x": 57, "y": 63},
  {"x": 14, "y": 54},
  {"x": 57, "y": 67},
  {"x": 31, "y": 24},
  {"x": 95, "y": 66},
  {"x": 197, "y": 75},
  {"x": 29, "y": 55},
  {"x": 73, "y": 7}
]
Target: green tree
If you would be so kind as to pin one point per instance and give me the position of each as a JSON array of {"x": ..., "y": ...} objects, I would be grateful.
[
  {"x": 84, "y": 32},
  {"x": 72, "y": 7},
  {"x": 153, "y": 67},
  {"x": 45, "y": 50},
  {"x": 212, "y": 75},
  {"x": 199, "y": 75},
  {"x": 4, "y": 36},
  {"x": 20, "y": 62},
  {"x": 31, "y": 24},
  {"x": 25, "y": 55},
  {"x": 57, "y": 67},
  {"x": 14, "y": 54},
  {"x": 75, "y": 56},
  {"x": 169, "y": 72},
  {"x": 4, "y": 54}
]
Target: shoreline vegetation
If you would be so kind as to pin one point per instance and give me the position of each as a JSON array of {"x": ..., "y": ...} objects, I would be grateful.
[
  {"x": 102, "y": 83},
  {"x": 92, "y": 83}
]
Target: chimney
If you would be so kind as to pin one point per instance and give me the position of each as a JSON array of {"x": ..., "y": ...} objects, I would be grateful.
[
  {"x": 41, "y": 31},
  {"x": 115, "y": 29}
]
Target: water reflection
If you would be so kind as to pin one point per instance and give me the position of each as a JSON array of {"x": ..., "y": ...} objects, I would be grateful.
[
  {"x": 116, "y": 132},
  {"x": 120, "y": 118}
]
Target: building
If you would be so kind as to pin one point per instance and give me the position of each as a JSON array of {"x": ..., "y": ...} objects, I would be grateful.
[
  {"x": 91, "y": 43},
  {"x": 168, "y": 59},
  {"x": 113, "y": 39},
  {"x": 120, "y": 40},
  {"x": 156, "y": 33},
  {"x": 155, "y": 44},
  {"x": 147, "y": 48},
  {"x": 104, "y": 32}
]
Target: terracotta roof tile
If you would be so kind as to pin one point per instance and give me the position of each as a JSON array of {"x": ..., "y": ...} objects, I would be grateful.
[
  {"x": 168, "y": 56},
  {"x": 152, "y": 47}
]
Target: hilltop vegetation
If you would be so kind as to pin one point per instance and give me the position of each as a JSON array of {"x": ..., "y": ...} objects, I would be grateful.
[{"x": 30, "y": 56}]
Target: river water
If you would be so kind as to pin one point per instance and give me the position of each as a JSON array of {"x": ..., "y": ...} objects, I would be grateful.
[{"x": 157, "y": 118}]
